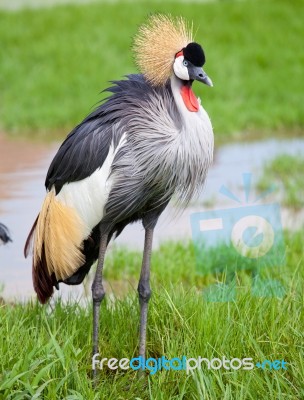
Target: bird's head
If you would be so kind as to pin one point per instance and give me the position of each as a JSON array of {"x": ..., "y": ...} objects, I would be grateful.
[
  {"x": 188, "y": 64},
  {"x": 164, "y": 46}
]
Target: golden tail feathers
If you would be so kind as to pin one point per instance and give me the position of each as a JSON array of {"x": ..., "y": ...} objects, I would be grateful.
[{"x": 57, "y": 236}]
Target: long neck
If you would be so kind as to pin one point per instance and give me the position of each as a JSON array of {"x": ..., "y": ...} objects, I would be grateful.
[
  {"x": 176, "y": 86},
  {"x": 193, "y": 147}
]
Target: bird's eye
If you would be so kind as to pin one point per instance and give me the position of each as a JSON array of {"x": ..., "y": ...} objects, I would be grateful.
[{"x": 185, "y": 63}]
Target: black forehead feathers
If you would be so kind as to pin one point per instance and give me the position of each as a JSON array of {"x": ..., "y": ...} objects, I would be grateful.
[{"x": 194, "y": 53}]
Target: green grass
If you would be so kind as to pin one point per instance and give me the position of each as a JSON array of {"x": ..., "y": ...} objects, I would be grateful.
[
  {"x": 286, "y": 173},
  {"x": 46, "y": 351},
  {"x": 54, "y": 62}
]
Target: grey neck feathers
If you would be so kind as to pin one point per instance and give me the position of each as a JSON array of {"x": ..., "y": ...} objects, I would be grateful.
[{"x": 169, "y": 149}]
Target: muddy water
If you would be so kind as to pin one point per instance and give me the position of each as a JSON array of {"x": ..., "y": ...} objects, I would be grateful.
[
  {"x": 22, "y": 172},
  {"x": 23, "y": 167}
]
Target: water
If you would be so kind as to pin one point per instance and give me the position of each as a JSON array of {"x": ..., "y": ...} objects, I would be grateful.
[{"x": 23, "y": 167}]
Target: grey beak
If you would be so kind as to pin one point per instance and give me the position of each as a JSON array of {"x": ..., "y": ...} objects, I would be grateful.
[{"x": 198, "y": 74}]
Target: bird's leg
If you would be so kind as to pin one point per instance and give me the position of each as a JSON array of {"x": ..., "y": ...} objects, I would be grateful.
[
  {"x": 144, "y": 290},
  {"x": 98, "y": 294}
]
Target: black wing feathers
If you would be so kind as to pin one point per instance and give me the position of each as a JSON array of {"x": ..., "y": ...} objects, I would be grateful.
[
  {"x": 87, "y": 146},
  {"x": 82, "y": 152}
]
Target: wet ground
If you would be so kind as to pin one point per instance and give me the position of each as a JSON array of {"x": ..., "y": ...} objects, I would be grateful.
[{"x": 23, "y": 166}]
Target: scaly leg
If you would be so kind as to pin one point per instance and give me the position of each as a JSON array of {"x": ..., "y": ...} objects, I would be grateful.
[
  {"x": 144, "y": 290},
  {"x": 98, "y": 294}
]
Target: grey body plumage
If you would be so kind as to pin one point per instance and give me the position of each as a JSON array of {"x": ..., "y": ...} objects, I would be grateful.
[{"x": 164, "y": 153}]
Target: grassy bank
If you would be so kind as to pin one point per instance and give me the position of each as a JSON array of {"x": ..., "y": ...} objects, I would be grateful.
[
  {"x": 286, "y": 173},
  {"x": 46, "y": 351},
  {"x": 55, "y": 61}
]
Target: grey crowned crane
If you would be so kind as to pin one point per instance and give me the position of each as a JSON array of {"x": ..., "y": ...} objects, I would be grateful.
[
  {"x": 149, "y": 140},
  {"x": 4, "y": 234}
]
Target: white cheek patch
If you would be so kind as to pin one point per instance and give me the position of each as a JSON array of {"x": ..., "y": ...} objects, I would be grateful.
[{"x": 180, "y": 70}]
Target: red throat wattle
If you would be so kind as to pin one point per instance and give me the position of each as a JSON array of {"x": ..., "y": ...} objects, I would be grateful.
[{"x": 189, "y": 98}]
